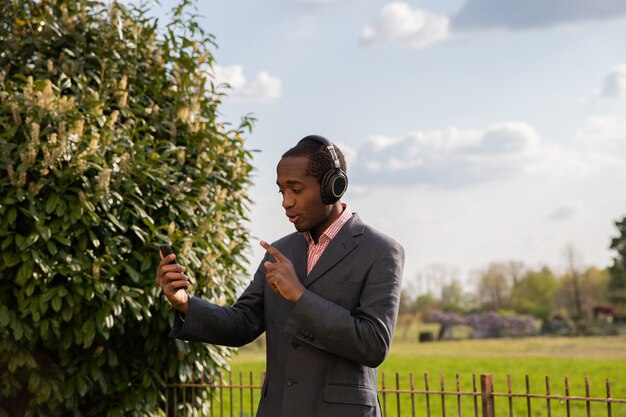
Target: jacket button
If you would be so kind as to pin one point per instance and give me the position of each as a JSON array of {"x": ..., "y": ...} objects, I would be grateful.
[{"x": 291, "y": 382}]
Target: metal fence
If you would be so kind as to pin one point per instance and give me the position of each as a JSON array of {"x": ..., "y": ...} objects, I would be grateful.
[{"x": 236, "y": 395}]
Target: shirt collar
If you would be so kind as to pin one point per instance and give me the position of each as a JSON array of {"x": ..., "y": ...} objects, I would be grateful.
[{"x": 332, "y": 230}]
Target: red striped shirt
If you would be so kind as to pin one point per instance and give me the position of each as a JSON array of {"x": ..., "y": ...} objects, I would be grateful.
[{"x": 314, "y": 251}]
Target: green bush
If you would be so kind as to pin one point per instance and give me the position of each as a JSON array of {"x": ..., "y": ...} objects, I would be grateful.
[{"x": 110, "y": 145}]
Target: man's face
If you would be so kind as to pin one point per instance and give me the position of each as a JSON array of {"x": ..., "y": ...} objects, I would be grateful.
[{"x": 302, "y": 200}]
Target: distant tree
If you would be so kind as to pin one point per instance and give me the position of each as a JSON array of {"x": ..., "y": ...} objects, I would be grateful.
[
  {"x": 437, "y": 285},
  {"x": 455, "y": 298},
  {"x": 594, "y": 291},
  {"x": 433, "y": 277},
  {"x": 110, "y": 144},
  {"x": 574, "y": 271},
  {"x": 493, "y": 291},
  {"x": 425, "y": 304},
  {"x": 407, "y": 302},
  {"x": 617, "y": 282},
  {"x": 534, "y": 292}
]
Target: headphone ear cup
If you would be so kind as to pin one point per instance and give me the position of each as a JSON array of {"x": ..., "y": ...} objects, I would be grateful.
[{"x": 334, "y": 185}]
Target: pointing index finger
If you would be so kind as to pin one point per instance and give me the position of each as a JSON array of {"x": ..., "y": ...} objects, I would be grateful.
[{"x": 274, "y": 252}]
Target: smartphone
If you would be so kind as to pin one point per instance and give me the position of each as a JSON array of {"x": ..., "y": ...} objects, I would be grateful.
[{"x": 167, "y": 250}]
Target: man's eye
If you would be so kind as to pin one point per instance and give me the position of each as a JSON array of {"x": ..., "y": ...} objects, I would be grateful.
[{"x": 296, "y": 190}]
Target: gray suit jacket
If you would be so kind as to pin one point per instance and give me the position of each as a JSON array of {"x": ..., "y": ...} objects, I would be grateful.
[{"x": 322, "y": 353}]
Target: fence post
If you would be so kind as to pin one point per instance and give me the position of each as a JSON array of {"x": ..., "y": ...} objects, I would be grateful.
[{"x": 486, "y": 394}]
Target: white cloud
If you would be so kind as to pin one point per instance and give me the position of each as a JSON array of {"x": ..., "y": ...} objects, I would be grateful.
[
  {"x": 567, "y": 211},
  {"x": 516, "y": 14},
  {"x": 232, "y": 75},
  {"x": 614, "y": 83},
  {"x": 454, "y": 157},
  {"x": 399, "y": 24},
  {"x": 265, "y": 87},
  {"x": 605, "y": 135},
  {"x": 349, "y": 153}
]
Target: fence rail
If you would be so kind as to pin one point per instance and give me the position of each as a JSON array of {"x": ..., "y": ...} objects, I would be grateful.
[{"x": 236, "y": 395}]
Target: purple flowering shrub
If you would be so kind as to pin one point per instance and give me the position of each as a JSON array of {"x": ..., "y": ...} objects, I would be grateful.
[{"x": 485, "y": 325}]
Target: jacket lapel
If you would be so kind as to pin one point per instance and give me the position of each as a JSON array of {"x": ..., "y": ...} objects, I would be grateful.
[
  {"x": 299, "y": 258},
  {"x": 341, "y": 245}
]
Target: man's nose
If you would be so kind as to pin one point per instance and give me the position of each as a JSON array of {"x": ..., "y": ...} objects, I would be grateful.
[{"x": 288, "y": 200}]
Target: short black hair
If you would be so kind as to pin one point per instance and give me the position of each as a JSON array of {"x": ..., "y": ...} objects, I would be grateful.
[{"x": 320, "y": 160}]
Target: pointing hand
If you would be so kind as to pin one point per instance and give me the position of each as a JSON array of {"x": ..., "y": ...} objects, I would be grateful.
[{"x": 281, "y": 276}]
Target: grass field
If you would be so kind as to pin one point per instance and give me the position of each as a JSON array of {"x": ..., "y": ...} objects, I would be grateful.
[{"x": 597, "y": 358}]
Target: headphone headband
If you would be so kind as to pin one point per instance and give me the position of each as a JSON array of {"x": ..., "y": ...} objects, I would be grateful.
[{"x": 328, "y": 144}]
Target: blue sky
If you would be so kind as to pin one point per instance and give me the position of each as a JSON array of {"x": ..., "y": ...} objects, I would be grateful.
[{"x": 476, "y": 131}]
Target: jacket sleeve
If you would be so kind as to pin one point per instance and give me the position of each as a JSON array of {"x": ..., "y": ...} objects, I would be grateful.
[
  {"x": 365, "y": 335},
  {"x": 234, "y": 325}
]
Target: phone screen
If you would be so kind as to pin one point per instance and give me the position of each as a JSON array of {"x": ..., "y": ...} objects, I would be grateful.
[{"x": 167, "y": 250}]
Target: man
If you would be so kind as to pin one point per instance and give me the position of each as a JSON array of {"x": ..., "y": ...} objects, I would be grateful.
[{"x": 327, "y": 297}]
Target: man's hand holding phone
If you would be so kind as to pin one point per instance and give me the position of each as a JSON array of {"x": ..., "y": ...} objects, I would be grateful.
[{"x": 172, "y": 280}]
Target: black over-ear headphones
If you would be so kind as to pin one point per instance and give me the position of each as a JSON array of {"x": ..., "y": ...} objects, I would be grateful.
[{"x": 335, "y": 181}]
